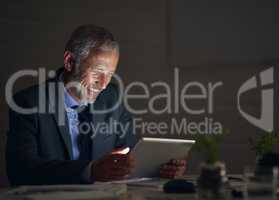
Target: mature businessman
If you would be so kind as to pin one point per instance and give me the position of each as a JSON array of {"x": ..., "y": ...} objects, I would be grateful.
[{"x": 50, "y": 146}]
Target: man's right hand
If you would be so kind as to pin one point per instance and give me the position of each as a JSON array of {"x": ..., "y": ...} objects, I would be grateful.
[{"x": 114, "y": 166}]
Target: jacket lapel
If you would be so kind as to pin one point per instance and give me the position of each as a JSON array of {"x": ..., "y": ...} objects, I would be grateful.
[
  {"x": 97, "y": 119},
  {"x": 62, "y": 123},
  {"x": 56, "y": 102},
  {"x": 60, "y": 116}
]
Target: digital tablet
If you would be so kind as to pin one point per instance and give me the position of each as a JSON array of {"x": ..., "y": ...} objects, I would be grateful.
[{"x": 151, "y": 153}]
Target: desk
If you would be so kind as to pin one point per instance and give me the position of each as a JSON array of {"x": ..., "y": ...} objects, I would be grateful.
[
  {"x": 137, "y": 193},
  {"x": 141, "y": 193}
]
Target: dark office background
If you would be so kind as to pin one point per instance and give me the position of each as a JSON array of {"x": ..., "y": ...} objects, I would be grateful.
[{"x": 209, "y": 41}]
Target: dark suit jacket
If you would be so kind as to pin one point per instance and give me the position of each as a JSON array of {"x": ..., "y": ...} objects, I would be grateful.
[{"x": 39, "y": 149}]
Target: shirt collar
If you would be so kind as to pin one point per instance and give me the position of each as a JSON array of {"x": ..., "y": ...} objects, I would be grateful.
[{"x": 69, "y": 101}]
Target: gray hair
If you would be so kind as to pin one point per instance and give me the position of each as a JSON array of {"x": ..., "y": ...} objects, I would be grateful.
[{"x": 87, "y": 38}]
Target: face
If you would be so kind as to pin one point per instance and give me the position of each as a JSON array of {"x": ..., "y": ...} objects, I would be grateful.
[{"x": 96, "y": 72}]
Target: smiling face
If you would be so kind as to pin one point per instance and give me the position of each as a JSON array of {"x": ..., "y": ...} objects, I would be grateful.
[{"x": 96, "y": 71}]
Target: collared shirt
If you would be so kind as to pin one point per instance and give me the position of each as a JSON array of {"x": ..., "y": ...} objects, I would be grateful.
[
  {"x": 73, "y": 121},
  {"x": 72, "y": 115}
]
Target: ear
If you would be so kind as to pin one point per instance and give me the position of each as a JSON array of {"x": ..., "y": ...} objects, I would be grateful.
[{"x": 68, "y": 61}]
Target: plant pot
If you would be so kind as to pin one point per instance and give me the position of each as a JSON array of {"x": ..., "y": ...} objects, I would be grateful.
[
  {"x": 265, "y": 164},
  {"x": 211, "y": 182}
]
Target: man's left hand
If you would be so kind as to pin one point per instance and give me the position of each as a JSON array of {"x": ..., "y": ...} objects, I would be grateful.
[{"x": 173, "y": 169}]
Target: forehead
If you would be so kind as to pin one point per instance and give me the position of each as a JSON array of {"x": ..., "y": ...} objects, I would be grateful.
[{"x": 102, "y": 59}]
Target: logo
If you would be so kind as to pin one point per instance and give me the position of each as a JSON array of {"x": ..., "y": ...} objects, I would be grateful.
[{"x": 265, "y": 84}]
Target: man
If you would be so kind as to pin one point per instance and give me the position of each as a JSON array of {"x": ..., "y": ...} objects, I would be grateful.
[{"x": 49, "y": 145}]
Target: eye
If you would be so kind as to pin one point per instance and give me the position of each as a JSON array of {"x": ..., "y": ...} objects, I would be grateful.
[{"x": 94, "y": 74}]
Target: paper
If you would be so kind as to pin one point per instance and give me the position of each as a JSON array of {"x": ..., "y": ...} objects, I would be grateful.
[
  {"x": 142, "y": 182},
  {"x": 69, "y": 192},
  {"x": 132, "y": 180}
]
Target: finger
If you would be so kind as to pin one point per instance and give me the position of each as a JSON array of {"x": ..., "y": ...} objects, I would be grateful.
[
  {"x": 179, "y": 173},
  {"x": 121, "y": 177},
  {"x": 117, "y": 178},
  {"x": 182, "y": 162},
  {"x": 123, "y": 170},
  {"x": 118, "y": 156},
  {"x": 170, "y": 168},
  {"x": 118, "y": 174},
  {"x": 115, "y": 158},
  {"x": 126, "y": 160},
  {"x": 167, "y": 167},
  {"x": 123, "y": 163},
  {"x": 174, "y": 170},
  {"x": 182, "y": 169},
  {"x": 178, "y": 162},
  {"x": 173, "y": 174},
  {"x": 121, "y": 151},
  {"x": 112, "y": 178},
  {"x": 171, "y": 162},
  {"x": 127, "y": 157},
  {"x": 178, "y": 169}
]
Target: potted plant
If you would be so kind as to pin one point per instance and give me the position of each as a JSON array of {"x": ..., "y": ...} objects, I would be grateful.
[
  {"x": 212, "y": 178},
  {"x": 266, "y": 158}
]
